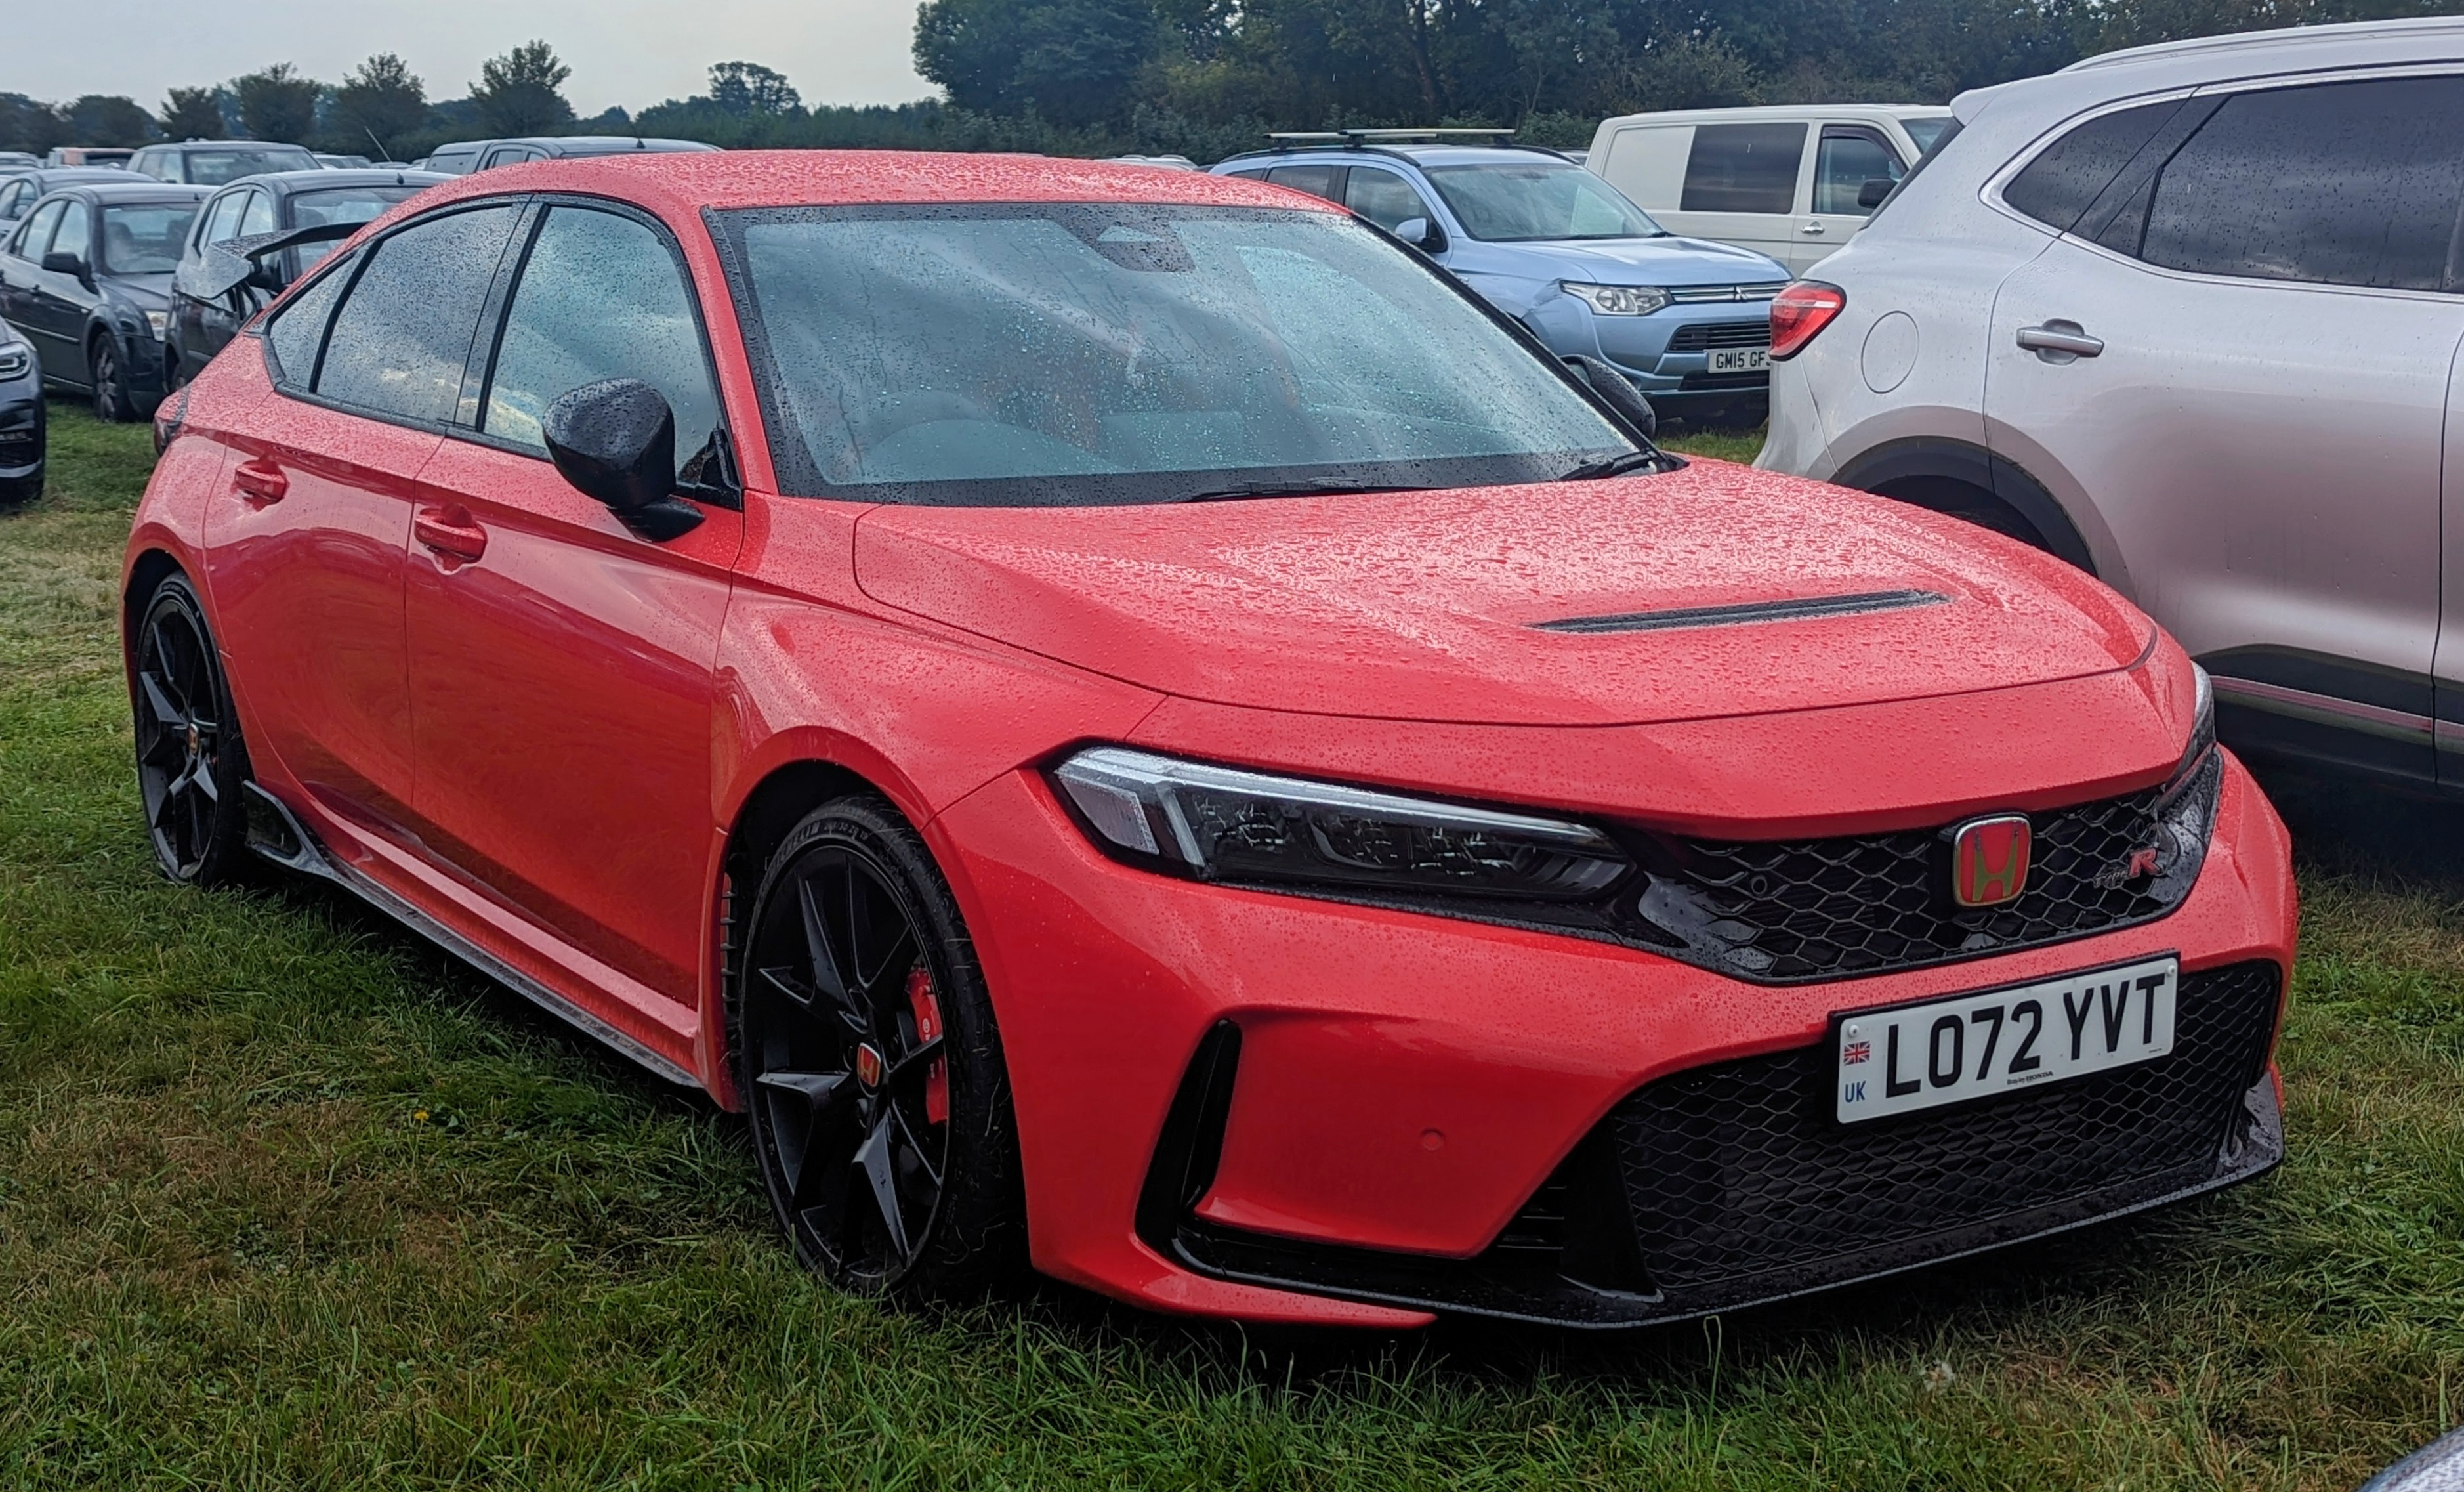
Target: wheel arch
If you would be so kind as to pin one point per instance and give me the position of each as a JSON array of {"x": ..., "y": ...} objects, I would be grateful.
[
  {"x": 1970, "y": 482},
  {"x": 148, "y": 568}
]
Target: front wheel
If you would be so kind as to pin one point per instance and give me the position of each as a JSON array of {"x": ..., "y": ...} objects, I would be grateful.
[
  {"x": 190, "y": 763},
  {"x": 870, "y": 1065}
]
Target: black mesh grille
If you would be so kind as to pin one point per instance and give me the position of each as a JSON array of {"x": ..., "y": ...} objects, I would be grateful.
[
  {"x": 1739, "y": 1171},
  {"x": 1703, "y": 336},
  {"x": 1801, "y": 910},
  {"x": 20, "y": 450}
]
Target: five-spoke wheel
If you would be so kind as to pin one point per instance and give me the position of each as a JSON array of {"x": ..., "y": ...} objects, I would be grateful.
[
  {"x": 190, "y": 760},
  {"x": 869, "y": 1062}
]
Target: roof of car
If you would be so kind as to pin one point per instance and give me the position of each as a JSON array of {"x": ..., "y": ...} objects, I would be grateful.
[
  {"x": 230, "y": 145},
  {"x": 326, "y": 179},
  {"x": 50, "y": 177},
  {"x": 1423, "y": 153},
  {"x": 141, "y": 190},
  {"x": 2426, "y": 27},
  {"x": 1749, "y": 114}
]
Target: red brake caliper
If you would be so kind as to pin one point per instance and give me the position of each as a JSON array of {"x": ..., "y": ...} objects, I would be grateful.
[{"x": 927, "y": 1028}]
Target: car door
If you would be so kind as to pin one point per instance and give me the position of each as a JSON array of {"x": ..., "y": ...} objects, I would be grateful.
[
  {"x": 2237, "y": 363},
  {"x": 307, "y": 547},
  {"x": 560, "y": 663},
  {"x": 202, "y": 326},
  {"x": 23, "y": 266},
  {"x": 1743, "y": 185},
  {"x": 1384, "y": 197},
  {"x": 1845, "y": 158},
  {"x": 55, "y": 310}
]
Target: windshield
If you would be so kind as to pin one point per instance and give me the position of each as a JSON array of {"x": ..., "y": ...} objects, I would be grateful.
[
  {"x": 146, "y": 239},
  {"x": 339, "y": 205},
  {"x": 1925, "y": 131},
  {"x": 1544, "y": 199},
  {"x": 1054, "y": 355},
  {"x": 214, "y": 167}
]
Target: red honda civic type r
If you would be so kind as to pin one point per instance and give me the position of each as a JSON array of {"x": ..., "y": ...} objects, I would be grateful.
[{"x": 1139, "y": 730}]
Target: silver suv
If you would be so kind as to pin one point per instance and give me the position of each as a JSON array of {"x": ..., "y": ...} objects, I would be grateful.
[{"x": 2187, "y": 317}]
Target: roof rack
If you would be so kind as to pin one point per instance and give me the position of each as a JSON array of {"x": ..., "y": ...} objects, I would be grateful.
[{"x": 1379, "y": 136}]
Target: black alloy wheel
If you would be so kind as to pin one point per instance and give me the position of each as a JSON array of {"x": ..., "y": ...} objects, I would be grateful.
[
  {"x": 191, "y": 762},
  {"x": 111, "y": 402},
  {"x": 870, "y": 1065}
]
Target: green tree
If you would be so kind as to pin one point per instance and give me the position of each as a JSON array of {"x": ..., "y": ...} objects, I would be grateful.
[
  {"x": 109, "y": 120},
  {"x": 1073, "y": 61},
  {"x": 380, "y": 103},
  {"x": 749, "y": 88},
  {"x": 192, "y": 113},
  {"x": 278, "y": 103},
  {"x": 522, "y": 93}
]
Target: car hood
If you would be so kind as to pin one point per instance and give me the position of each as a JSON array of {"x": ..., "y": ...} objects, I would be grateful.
[
  {"x": 1637, "y": 261},
  {"x": 145, "y": 292},
  {"x": 1428, "y": 605}
]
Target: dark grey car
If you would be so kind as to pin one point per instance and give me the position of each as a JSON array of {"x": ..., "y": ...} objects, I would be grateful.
[{"x": 86, "y": 279}]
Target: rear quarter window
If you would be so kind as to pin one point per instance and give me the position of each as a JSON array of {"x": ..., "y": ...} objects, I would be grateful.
[{"x": 2059, "y": 185}]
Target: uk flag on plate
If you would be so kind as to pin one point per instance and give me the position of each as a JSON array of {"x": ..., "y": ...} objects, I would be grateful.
[{"x": 1856, "y": 1051}]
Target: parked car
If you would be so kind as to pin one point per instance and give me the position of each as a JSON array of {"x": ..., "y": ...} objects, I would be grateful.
[
  {"x": 86, "y": 281},
  {"x": 2436, "y": 1467},
  {"x": 2200, "y": 343},
  {"x": 14, "y": 160},
  {"x": 21, "y": 421},
  {"x": 213, "y": 162},
  {"x": 1794, "y": 181},
  {"x": 341, "y": 163},
  {"x": 463, "y": 157},
  {"x": 1557, "y": 249},
  {"x": 19, "y": 192},
  {"x": 1141, "y": 729},
  {"x": 89, "y": 155},
  {"x": 259, "y": 214}
]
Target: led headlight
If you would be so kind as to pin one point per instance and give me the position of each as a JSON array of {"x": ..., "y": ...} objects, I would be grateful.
[
  {"x": 16, "y": 357},
  {"x": 1220, "y": 823},
  {"x": 1618, "y": 300}
]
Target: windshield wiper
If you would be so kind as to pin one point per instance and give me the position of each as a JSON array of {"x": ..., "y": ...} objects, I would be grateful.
[
  {"x": 1614, "y": 467},
  {"x": 1296, "y": 489}
]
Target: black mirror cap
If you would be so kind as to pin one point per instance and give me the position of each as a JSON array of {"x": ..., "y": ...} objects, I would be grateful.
[
  {"x": 1874, "y": 189},
  {"x": 1618, "y": 391},
  {"x": 615, "y": 441},
  {"x": 64, "y": 264}
]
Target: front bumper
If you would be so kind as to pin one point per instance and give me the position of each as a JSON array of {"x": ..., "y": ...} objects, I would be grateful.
[
  {"x": 22, "y": 438},
  {"x": 1428, "y": 1115},
  {"x": 1666, "y": 354}
]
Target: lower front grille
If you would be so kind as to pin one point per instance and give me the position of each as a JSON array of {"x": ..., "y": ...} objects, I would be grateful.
[
  {"x": 1703, "y": 336},
  {"x": 19, "y": 451}
]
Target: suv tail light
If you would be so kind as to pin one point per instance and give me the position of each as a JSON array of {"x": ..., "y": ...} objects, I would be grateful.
[{"x": 1800, "y": 311}]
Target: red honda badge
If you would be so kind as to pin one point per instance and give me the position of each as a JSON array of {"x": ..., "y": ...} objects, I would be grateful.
[{"x": 1988, "y": 860}]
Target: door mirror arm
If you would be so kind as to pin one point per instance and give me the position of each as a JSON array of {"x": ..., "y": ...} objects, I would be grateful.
[{"x": 615, "y": 441}]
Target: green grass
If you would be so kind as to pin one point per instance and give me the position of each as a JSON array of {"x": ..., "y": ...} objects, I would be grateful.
[{"x": 288, "y": 1201}]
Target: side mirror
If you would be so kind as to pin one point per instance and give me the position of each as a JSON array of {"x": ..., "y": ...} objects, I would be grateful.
[
  {"x": 616, "y": 441},
  {"x": 1422, "y": 233},
  {"x": 1618, "y": 391},
  {"x": 64, "y": 264},
  {"x": 268, "y": 277},
  {"x": 1870, "y": 195}
]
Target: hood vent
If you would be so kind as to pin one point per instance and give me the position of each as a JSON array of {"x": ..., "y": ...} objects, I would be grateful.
[{"x": 1738, "y": 615}]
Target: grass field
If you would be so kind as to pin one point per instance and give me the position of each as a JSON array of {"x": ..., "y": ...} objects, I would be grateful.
[{"x": 287, "y": 1200}]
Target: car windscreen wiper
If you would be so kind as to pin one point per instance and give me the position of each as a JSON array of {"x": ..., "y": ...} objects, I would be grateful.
[
  {"x": 1614, "y": 466},
  {"x": 1297, "y": 489}
]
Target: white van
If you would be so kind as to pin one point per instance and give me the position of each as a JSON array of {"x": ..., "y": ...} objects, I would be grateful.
[{"x": 1790, "y": 182}]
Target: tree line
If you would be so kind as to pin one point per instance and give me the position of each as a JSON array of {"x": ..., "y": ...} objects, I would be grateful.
[{"x": 1205, "y": 77}]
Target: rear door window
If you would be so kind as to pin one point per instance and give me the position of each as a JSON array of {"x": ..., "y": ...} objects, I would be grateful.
[
  {"x": 403, "y": 338},
  {"x": 2340, "y": 184},
  {"x": 257, "y": 217},
  {"x": 222, "y": 219},
  {"x": 1382, "y": 197},
  {"x": 1318, "y": 181},
  {"x": 1743, "y": 168}
]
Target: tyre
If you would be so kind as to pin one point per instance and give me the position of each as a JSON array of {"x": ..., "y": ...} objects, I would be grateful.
[
  {"x": 870, "y": 1065},
  {"x": 112, "y": 403},
  {"x": 191, "y": 762}
]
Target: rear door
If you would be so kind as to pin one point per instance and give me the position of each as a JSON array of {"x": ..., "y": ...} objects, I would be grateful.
[
  {"x": 21, "y": 271},
  {"x": 1846, "y": 157},
  {"x": 560, "y": 664},
  {"x": 2237, "y": 363}
]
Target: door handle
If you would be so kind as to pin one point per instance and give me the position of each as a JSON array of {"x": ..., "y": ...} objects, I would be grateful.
[
  {"x": 1814, "y": 228},
  {"x": 451, "y": 532},
  {"x": 2059, "y": 341},
  {"x": 260, "y": 481}
]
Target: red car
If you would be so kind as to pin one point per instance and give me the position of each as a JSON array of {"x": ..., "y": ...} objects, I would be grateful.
[{"x": 1139, "y": 730}]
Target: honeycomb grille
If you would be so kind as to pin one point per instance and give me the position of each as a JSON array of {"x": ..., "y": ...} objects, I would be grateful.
[
  {"x": 1788, "y": 911},
  {"x": 1705, "y": 335},
  {"x": 1737, "y": 1171}
]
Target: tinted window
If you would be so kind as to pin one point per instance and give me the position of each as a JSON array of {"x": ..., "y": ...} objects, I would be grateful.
[
  {"x": 2062, "y": 183},
  {"x": 1844, "y": 162},
  {"x": 37, "y": 232},
  {"x": 402, "y": 338},
  {"x": 75, "y": 235},
  {"x": 600, "y": 296},
  {"x": 1318, "y": 181},
  {"x": 1743, "y": 168},
  {"x": 1068, "y": 355},
  {"x": 300, "y": 327},
  {"x": 145, "y": 238},
  {"x": 454, "y": 162},
  {"x": 257, "y": 217},
  {"x": 213, "y": 168},
  {"x": 1543, "y": 200},
  {"x": 2347, "y": 183},
  {"x": 1382, "y": 197}
]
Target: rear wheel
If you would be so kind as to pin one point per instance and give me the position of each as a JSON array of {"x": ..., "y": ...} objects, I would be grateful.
[
  {"x": 112, "y": 403},
  {"x": 190, "y": 763},
  {"x": 871, "y": 1067}
]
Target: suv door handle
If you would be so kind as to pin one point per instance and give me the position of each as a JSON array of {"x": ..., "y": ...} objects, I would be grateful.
[
  {"x": 260, "y": 481},
  {"x": 2059, "y": 341},
  {"x": 451, "y": 532}
]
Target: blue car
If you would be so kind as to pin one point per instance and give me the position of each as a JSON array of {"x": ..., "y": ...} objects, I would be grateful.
[{"x": 1562, "y": 252}]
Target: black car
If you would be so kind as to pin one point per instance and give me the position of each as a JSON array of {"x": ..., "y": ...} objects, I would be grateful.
[
  {"x": 86, "y": 278},
  {"x": 214, "y": 163},
  {"x": 21, "y": 422},
  {"x": 462, "y": 157},
  {"x": 19, "y": 189},
  {"x": 207, "y": 310}
]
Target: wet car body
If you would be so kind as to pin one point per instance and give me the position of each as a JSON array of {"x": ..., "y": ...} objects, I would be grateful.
[
  {"x": 1446, "y": 894},
  {"x": 22, "y": 422}
]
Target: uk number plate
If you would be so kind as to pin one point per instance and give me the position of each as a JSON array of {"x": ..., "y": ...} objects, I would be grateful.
[
  {"x": 1897, "y": 1061},
  {"x": 1740, "y": 360}
]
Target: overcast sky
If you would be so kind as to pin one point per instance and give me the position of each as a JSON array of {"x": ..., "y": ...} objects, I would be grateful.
[{"x": 629, "y": 52}]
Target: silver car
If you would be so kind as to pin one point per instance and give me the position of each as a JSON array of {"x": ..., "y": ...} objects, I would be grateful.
[{"x": 2188, "y": 317}]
